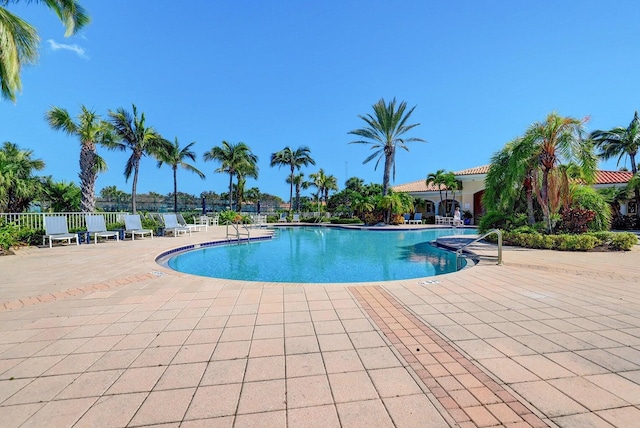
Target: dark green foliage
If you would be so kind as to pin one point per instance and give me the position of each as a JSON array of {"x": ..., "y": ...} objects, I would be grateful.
[
  {"x": 346, "y": 221},
  {"x": 576, "y": 220}
]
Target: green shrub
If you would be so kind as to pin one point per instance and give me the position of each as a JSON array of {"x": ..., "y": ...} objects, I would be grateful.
[
  {"x": 618, "y": 241},
  {"x": 9, "y": 235},
  {"x": 494, "y": 220},
  {"x": 346, "y": 221},
  {"x": 525, "y": 237}
]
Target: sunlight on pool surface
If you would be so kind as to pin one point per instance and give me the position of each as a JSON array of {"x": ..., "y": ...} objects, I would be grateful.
[{"x": 326, "y": 255}]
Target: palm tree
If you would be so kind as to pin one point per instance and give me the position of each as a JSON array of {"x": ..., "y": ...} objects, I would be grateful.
[
  {"x": 330, "y": 183},
  {"x": 511, "y": 170},
  {"x": 19, "y": 40},
  {"x": 318, "y": 180},
  {"x": 91, "y": 130},
  {"x": 142, "y": 140},
  {"x": 437, "y": 179},
  {"x": 295, "y": 160},
  {"x": 62, "y": 196},
  {"x": 232, "y": 157},
  {"x": 18, "y": 186},
  {"x": 175, "y": 157},
  {"x": 299, "y": 183},
  {"x": 249, "y": 169},
  {"x": 621, "y": 142},
  {"x": 558, "y": 138},
  {"x": 385, "y": 134}
]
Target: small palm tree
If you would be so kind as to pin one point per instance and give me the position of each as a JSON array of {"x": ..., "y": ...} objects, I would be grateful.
[
  {"x": 294, "y": 159},
  {"x": 141, "y": 139},
  {"x": 621, "y": 142},
  {"x": 437, "y": 179},
  {"x": 384, "y": 133},
  {"x": 19, "y": 40},
  {"x": 175, "y": 157},
  {"x": 62, "y": 196},
  {"x": 91, "y": 130},
  {"x": 249, "y": 169},
  {"x": 558, "y": 138},
  {"x": 232, "y": 158},
  {"x": 18, "y": 186},
  {"x": 299, "y": 183}
]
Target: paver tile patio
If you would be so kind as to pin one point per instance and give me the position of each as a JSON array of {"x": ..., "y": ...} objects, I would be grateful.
[{"x": 536, "y": 342}]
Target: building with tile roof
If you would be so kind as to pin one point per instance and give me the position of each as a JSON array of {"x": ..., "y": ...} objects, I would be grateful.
[{"x": 470, "y": 197}]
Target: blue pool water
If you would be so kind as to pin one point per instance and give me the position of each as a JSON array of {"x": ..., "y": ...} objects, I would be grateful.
[{"x": 324, "y": 255}]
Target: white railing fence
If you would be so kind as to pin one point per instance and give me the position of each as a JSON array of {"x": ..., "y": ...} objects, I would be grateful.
[{"x": 74, "y": 220}]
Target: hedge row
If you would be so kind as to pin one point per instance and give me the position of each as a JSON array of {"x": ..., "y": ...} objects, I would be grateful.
[{"x": 605, "y": 241}]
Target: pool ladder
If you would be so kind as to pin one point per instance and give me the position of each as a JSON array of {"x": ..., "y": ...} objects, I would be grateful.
[
  {"x": 498, "y": 232},
  {"x": 236, "y": 234}
]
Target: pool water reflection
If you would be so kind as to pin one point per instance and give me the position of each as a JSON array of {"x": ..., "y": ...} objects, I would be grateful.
[{"x": 326, "y": 255}]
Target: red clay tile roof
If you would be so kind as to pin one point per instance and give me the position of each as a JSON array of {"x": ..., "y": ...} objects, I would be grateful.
[
  {"x": 416, "y": 186},
  {"x": 473, "y": 171},
  {"x": 613, "y": 177},
  {"x": 602, "y": 177}
]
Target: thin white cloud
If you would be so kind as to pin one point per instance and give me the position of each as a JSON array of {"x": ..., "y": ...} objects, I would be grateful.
[{"x": 73, "y": 48}]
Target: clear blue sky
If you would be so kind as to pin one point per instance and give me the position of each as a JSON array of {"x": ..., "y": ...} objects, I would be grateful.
[{"x": 278, "y": 73}]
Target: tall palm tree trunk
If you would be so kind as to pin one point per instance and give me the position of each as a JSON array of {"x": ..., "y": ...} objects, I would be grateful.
[
  {"x": 291, "y": 190},
  {"x": 528, "y": 188},
  {"x": 175, "y": 189},
  {"x": 385, "y": 181},
  {"x": 636, "y": 191},
  {"x": 231, "y": 190},
  {"x": 134, "y": 185},
  {"x": 87, "y": 178},
  {"x": 544, "y": 196}
]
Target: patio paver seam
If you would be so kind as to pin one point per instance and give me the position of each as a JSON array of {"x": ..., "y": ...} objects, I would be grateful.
[
  {"x": 73, "y": 292},
  {"x": 435, "y": 359}
]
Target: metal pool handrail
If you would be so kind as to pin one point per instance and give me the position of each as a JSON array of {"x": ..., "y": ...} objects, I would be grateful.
[{"x": 491, "y": 232}]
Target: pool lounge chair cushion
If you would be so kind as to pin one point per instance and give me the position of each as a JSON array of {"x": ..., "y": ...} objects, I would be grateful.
[
  {"x": 133, "y": 226},
  {"x": 171, "y": 225},
  {"x": 96, "y": 227},
  {"x": 56, "y": 229}
]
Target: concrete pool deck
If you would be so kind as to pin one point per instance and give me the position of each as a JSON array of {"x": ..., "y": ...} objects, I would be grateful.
[{"x": 101, "y": 335}]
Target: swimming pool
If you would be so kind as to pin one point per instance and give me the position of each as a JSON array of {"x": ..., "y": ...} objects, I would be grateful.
[{"x": 325, "y": 255}]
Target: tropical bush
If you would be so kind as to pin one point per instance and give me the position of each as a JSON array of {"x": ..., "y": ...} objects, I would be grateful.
[
  {"x": 529, "y": 238},
  {"x": 8, "y": 236},
  {"x": 587, "y": 198},
  {"x": 576, "y": 220},
  {"x": 232, "y": 217}
]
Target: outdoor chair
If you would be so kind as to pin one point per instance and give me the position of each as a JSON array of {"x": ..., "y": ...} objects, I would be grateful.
[
  {"x": 296, "y": 218},
  {"x": 133, "y": 227},
  {"x": 417, "y": 219},
  {"x": 171, "y": 225},
  {"x": 283, "y": 218},
  {"x": 56, "y": 229},
  {"x": 191, "y": 226},
  {"x": 96, "y": 227},
  {"x": 407, "y": 217}
]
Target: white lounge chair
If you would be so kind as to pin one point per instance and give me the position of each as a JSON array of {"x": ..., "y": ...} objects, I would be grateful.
[
  {"x": 96, "y": 227},
  {"x": 133, "y": 226},
  {"x": 296, "y": 218},
  {"x": 56, "y": 229},
  {"x": 191, "y": 226},
  {"x": 171, "y": 225},
  {"x": 407, "y": 218},
  {"x": 283, "y": 218}
]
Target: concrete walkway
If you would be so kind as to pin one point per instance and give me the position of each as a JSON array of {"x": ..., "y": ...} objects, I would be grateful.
[{"x": 101, "y": 335}]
